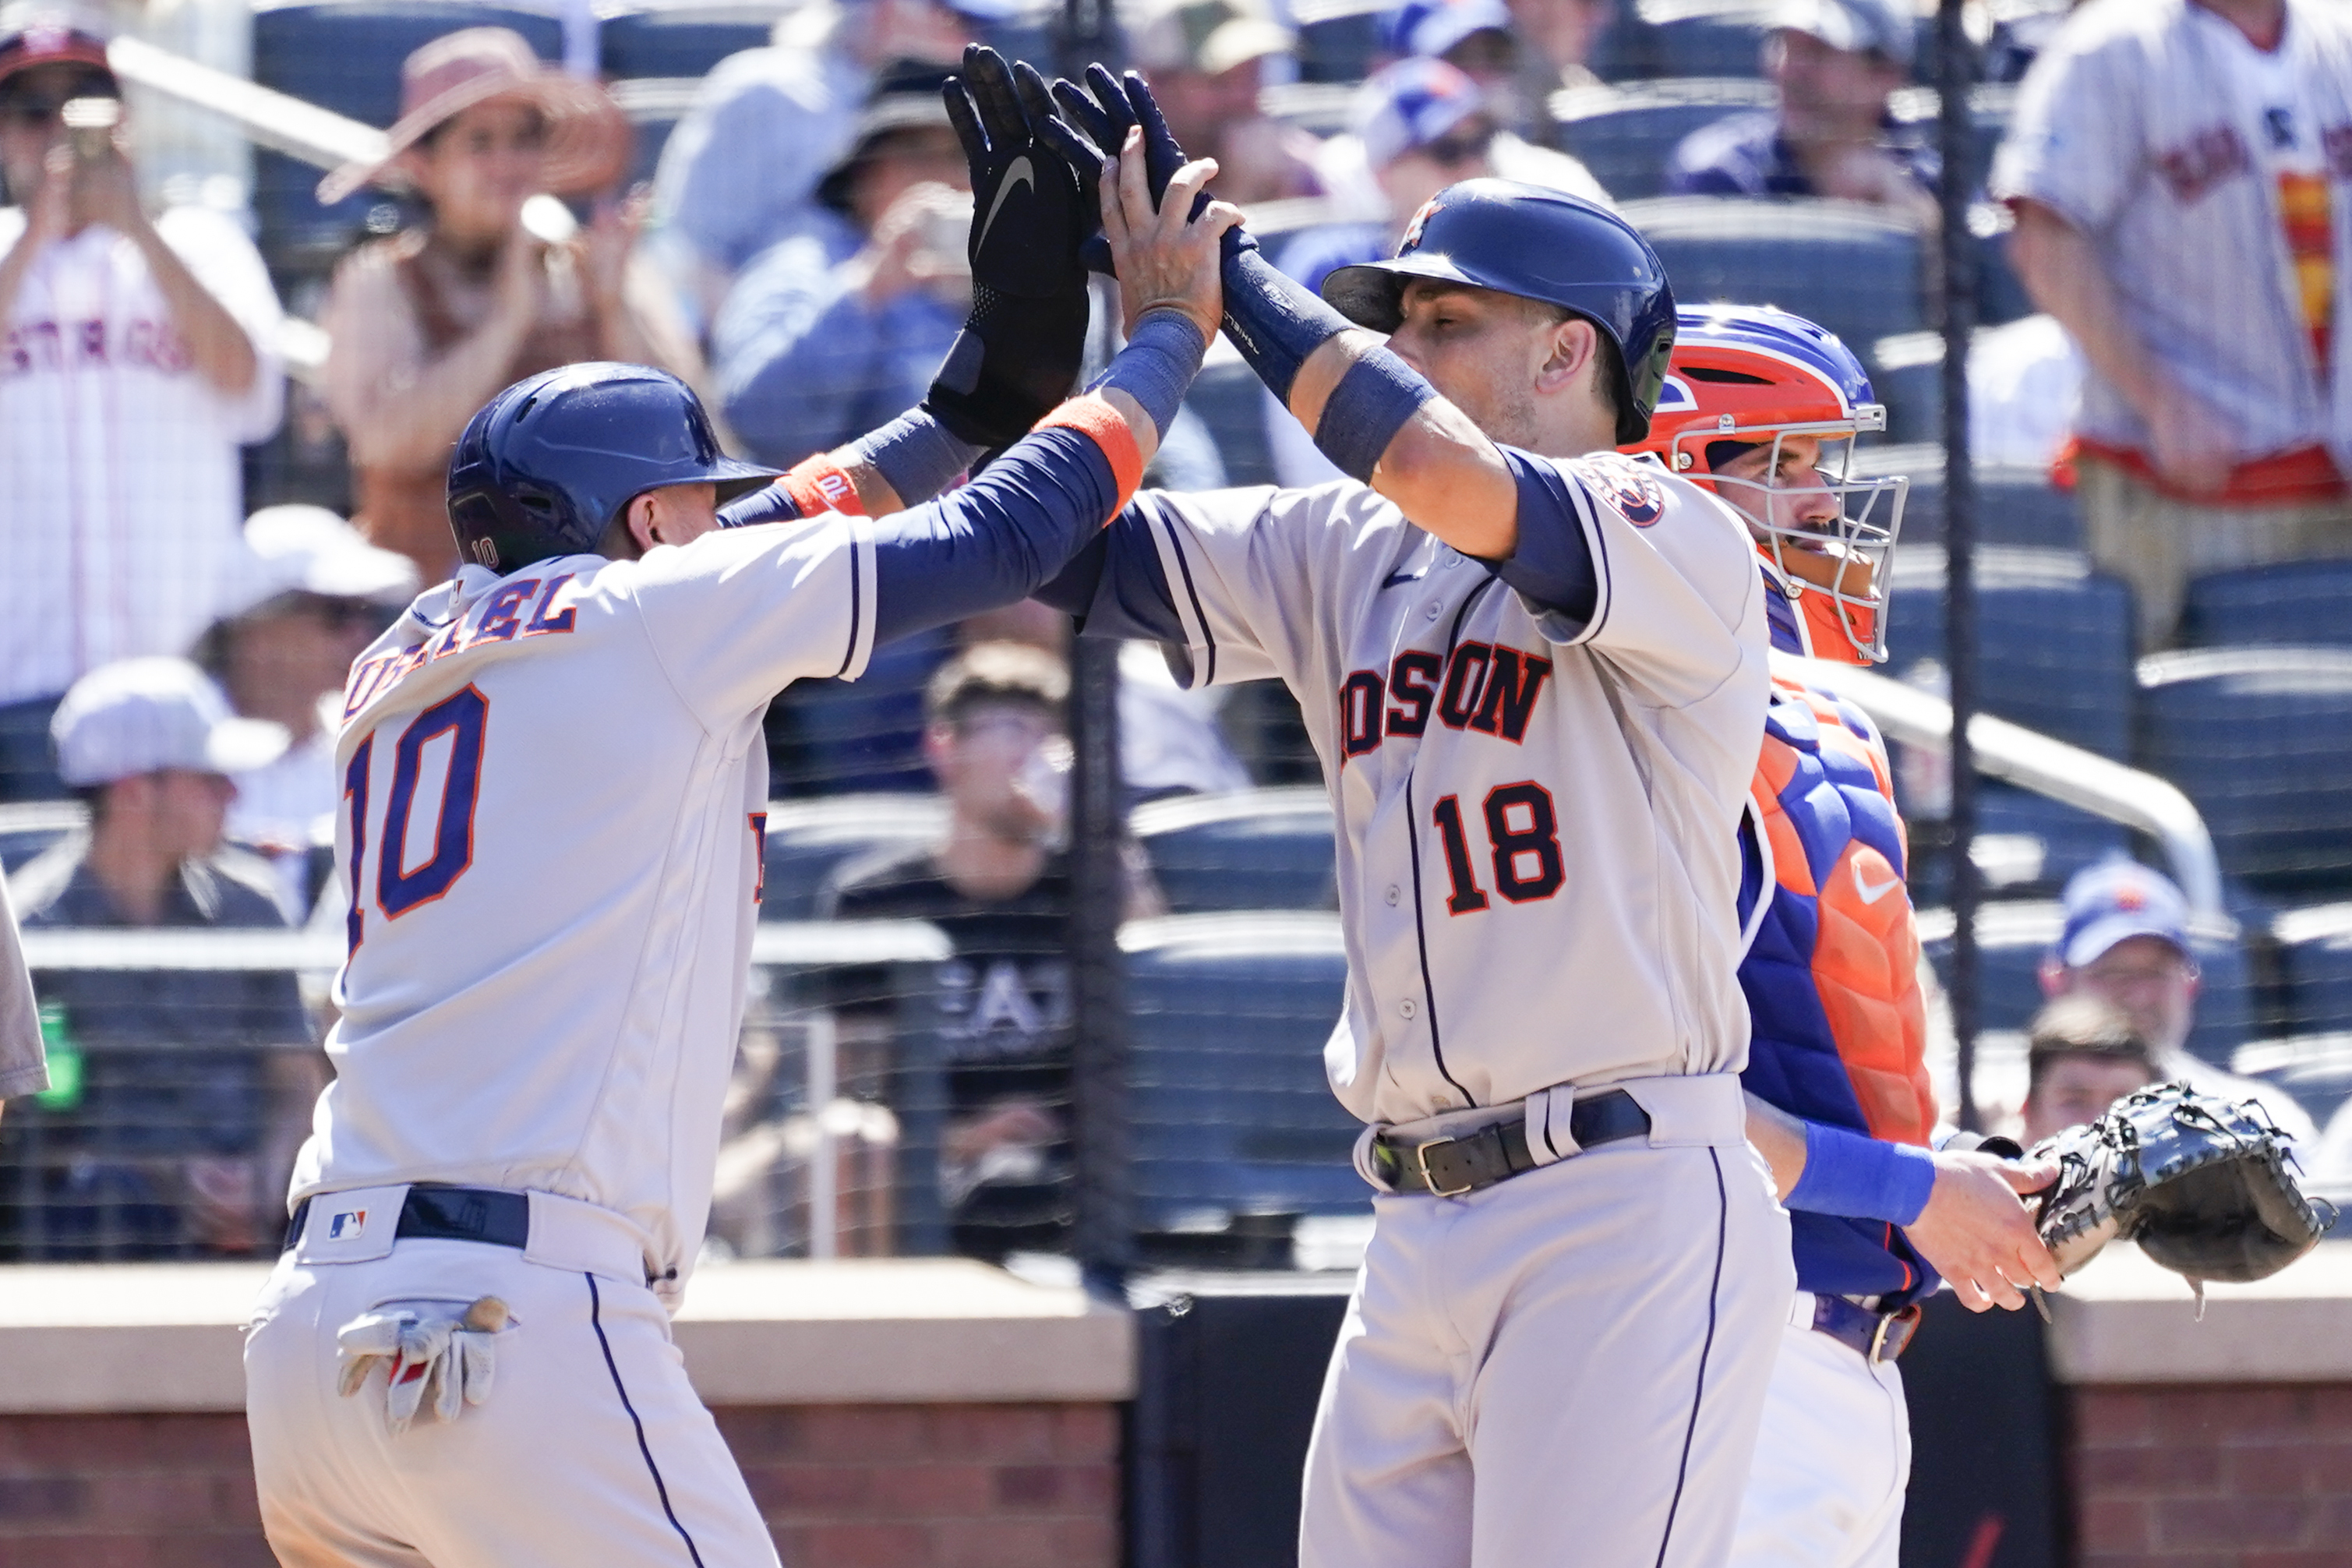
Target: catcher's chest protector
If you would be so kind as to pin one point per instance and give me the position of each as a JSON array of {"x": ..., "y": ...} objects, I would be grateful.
[{"x": 1832, "y": 977}]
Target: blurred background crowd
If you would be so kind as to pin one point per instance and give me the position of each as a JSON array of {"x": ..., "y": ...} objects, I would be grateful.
[{"x": 228, "y": 387}]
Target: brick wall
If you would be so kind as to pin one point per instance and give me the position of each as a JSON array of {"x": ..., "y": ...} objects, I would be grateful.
[
  {"x": 2213, "y": 1476},
  {"x": 975, "y": 1486}
]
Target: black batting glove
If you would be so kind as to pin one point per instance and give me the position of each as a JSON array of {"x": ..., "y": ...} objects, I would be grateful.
[
  {"x": 1088, "y": 126},
  {"x": 1019, "y": 353}
]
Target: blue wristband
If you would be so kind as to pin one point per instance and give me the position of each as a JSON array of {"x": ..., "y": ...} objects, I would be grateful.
[
  {"x": 1367, "y": 409},
  {"x": 1861, "y": 1177},
  {"x": 1156, "y": 364},
  {"x": 917, "y": 456},
  {"x": 1275, "y": 320}
]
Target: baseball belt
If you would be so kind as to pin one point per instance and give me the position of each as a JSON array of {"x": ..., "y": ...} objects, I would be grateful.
[
  {"x": 449, "y": 1214},
  {"x": 1449, "y": 1167},
  {"x": 1873, "y": 1335}
]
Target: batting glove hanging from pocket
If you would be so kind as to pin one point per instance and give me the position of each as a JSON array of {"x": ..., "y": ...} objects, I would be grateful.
[{"x": 440, "y": 1353}]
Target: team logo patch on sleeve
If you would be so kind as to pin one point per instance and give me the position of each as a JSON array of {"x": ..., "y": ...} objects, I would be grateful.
[{"x": 1635, "y": 494}]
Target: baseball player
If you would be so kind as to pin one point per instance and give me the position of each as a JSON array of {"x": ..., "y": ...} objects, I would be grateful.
[
  {"x": 554, "y": 792},
  {"x": 1533, "y": 671},
  {"x": 1763, "y": 408}
]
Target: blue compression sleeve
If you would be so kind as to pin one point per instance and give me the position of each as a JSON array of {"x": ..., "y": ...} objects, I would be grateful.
[
  {"x": 1552, "y": 566},
  {"x": 995, "y": 540},
  {"x": 1861, "y": 1177},
  {"x": 1274, "y": 320},
  {"x": 916, "y": 456},
  {"x": 1116, "y": 586},
  {"x": 1366, "y": 410},
  {"x": 1156, "y": 364},
  {"x": 772, "y": 504}
]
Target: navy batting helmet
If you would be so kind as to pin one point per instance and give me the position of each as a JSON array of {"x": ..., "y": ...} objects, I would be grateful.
[
  {"x": 550, "y": 462},
  {"x": 1538, "y": 244}
]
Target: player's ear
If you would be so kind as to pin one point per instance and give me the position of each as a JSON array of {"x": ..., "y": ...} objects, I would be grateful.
[
  {"x": 1570, "y": 348},
  {"x": 644, "y": 514}
]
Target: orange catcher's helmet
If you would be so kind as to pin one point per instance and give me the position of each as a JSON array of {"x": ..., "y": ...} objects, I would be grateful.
[{"x": 1746, "y": 376}]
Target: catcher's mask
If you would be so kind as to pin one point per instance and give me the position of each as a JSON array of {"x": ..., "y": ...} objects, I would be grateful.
[{"x": 1744, "y": 376}]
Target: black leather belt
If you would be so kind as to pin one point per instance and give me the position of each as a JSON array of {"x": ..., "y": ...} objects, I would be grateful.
[
  {"x": 1876, "y": 1336},
  {"x": 447, "y": 1213},
  {"x": 1449, "y": 1167}
]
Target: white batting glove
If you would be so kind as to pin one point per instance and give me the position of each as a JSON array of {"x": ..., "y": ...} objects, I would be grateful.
[{"x": 431, "y": 1350}]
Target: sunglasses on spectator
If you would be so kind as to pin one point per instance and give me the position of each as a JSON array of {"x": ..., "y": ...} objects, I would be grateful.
[
  {"x": 1459, "y": 146},
  {"x": 33, "y": 110}
]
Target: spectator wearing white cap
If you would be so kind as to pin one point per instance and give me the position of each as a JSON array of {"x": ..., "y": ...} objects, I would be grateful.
[
  {"x": 1207, "y": 63},
  {"x": 1476, "y": 37},
  {"x": 2126, "y": 941},
  {"x": 196, "y": 1082},
  {"x": 1835, "y": 64},
  {"x": 741, "y": 172},
  {"x": 321, "y": 595},
  {"x": 134, "y": 359}
]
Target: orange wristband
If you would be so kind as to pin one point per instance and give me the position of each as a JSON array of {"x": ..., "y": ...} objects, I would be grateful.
[
  {"x": 819, "y": 484},
  {"x": 1093, "y": 416}
]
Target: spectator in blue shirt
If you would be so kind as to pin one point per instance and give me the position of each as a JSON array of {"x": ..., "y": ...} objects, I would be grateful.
[
  {"x": 1834, "y": 63},
  {"x": 740, "y": 170},
  {"x": 836, "y": 330}
]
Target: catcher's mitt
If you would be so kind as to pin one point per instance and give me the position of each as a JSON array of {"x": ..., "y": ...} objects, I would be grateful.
[{"x": 2206, "y": 1186}]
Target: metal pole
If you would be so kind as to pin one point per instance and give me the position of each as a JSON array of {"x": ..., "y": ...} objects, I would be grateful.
[
  {"x": 1955, "y": 72},
  {"x": 1103, "y": 1194}
]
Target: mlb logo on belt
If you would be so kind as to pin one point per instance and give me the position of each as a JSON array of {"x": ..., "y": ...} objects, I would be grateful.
[{"x": 347, "y": 1226}]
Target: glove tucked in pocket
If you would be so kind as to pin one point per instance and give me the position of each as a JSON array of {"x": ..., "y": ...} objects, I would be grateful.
[{"x": 440, "y": 1353}]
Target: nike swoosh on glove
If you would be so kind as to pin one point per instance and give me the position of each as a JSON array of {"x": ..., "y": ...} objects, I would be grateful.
[{"x": 1019, "y": 353}]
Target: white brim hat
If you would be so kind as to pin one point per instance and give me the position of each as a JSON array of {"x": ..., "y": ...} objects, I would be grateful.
[{"x": 142, "y": 715}]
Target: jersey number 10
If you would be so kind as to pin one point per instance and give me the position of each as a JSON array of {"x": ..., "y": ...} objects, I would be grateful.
[{"x": 462, "y": 716}]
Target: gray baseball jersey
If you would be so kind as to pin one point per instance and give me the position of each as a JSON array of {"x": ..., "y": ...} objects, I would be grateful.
[{"x": 1538, "y": 861}]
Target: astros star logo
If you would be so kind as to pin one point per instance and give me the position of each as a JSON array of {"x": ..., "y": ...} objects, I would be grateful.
[{"x": 1413, "y": 229}]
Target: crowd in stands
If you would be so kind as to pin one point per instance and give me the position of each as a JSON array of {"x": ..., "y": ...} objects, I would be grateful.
[{"x": 2168, "y": 193}]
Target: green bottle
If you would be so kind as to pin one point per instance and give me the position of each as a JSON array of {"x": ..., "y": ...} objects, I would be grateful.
[{"x": 65, "y": 1060}]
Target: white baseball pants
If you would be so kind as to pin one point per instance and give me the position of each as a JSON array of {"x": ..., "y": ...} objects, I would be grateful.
[
  {"x": 1566, "y": 1367},
  {"x": 592, "y": 1448},
  {"x": 1832, "y": 1461}
]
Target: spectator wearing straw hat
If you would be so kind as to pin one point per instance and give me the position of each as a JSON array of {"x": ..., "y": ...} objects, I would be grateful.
[
  {"x": 1206, "y": 60},
  {"x": 1835, "y": 64},
  {"x": 741, "y": 172},
  {"x": 426, "y": 324},
  {"x": 196, "y": 1082},
  {"x": 134, "y": 358},
  {"x": 834, "y": 330},
  {"x": 320, "y": 594}
]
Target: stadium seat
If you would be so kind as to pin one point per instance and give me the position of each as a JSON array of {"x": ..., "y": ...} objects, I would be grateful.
[
  {"x": 2305, "y": 603},
  {"x": 2055, "y": 640},
  {"x": 28, "y": 828},
  {"x": 2026, "y": 844},
  {"x": 1627, "y": 134},
  {"x": 681, "y": 40},
  {"x": 1705, "y": 37},
  {"x": 1230, "y": 1112},
  {"x": 809, "y": 840},
  {"x": 2317, "y": 1069},
  {"x": 1253, "y": 849},
  {"x": 1850, "y": 268},
  {"x": 2012, "y": 938},
  {"x": 2313, "y": 949},
  {"x": 345, "y": 55},
  {"x": 2260, "y": 739}
]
